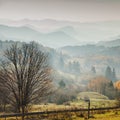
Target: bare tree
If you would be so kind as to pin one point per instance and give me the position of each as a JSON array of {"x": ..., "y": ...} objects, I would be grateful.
[
  {"x": 26, "y": 75},
  {"x": 3, "y": 101}
]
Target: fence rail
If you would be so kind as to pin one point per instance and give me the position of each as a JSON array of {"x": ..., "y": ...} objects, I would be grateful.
[{"x": 56, "y": 112}]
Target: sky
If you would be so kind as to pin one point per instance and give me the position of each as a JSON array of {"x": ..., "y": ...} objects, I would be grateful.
[{"x": 70, "y": 10}]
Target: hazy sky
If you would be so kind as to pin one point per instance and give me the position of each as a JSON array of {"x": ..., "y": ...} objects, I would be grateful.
[{"x": 73, "y": 10}]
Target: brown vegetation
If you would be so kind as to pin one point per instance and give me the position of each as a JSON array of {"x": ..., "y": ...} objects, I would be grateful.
[{"x": 117, "y": 85}]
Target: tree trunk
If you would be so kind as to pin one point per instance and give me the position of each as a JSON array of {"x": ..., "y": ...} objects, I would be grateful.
[
  {"x": 4, "y": 107},
  {"x": 23, "y": 111}
]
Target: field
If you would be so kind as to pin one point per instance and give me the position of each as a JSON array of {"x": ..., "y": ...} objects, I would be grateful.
[
  {"x": 96, "y": 101},
  {"x": 94, "y": 115},
  {"x": 108, "y": 115}
]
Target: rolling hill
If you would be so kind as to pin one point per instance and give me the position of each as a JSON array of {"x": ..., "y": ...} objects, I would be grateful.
[
  {"x": 90, "y": 50},
  {"x": 52, "y": 39},
  {"x": 92, "y": 95},
  {"x": 111, "y": 43},
  {"x": 80, "y": 33}
]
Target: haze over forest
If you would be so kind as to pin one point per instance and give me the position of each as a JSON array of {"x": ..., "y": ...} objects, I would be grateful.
[{"x": 81, "y": 38}]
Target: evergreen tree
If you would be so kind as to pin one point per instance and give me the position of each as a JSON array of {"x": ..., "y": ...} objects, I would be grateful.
[
  {"x": 110, "y": 90},
  {"x": 62, "y": 84},
  {"x": 108, "y": 73},
  {"x": 93, "y": 70},
  {"x": 114, "y": 75}
]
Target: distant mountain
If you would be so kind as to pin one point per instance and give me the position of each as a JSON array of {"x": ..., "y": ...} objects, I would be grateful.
[
  {"x": 90, "y": 50},
  {"x": 59, "y": 38},
  {"x": 45, "y": 25},
  {"x": 82, "y": 32},
  {"x": 18, "y": 33},
  {"x": 84, "y": 50},
  {"x": 112, "y": 43},
  {"x": 52, "y": 39},
  {"x": 68, "y": 30}
]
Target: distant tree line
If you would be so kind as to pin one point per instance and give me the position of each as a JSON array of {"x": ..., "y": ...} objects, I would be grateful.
[{"x": 102, "y": 85}]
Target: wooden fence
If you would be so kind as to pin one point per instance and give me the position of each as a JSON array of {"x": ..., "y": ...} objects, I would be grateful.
[{"x": 56, "y": 112}]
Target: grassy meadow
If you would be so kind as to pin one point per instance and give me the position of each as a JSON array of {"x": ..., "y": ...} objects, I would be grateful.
[
  {"x": 108, "y": 115},
  {"x": 96, "y": 101}
]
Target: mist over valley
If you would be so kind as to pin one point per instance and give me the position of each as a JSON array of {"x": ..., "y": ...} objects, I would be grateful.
[{"x": 77, "y": 52}]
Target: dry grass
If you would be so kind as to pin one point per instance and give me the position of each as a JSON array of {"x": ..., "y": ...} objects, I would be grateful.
[
  {"x": 100, "y": 115},
  {"x": 111, "y": 115}
]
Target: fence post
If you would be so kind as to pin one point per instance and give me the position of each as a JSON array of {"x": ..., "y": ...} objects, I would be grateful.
[
  {"x": 86, "y": 99},
  {"x": 88, "y": 109}
]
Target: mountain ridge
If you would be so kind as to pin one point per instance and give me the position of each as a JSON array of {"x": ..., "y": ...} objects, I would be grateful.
[
  {"x": 23, "y": 33},
  {"x": 81, "y": 33}
]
